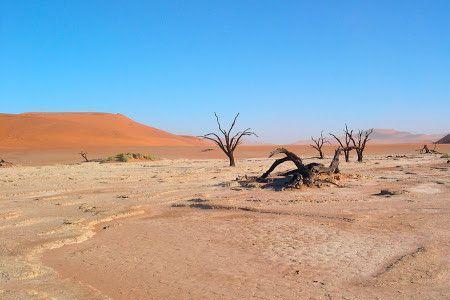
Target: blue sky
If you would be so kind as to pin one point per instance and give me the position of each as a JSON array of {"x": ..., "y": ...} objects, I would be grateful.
[{"x": 291, "y": 68}]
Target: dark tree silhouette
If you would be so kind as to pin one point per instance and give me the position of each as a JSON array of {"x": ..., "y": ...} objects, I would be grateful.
[
  {"x": 229, "y": 142},
  {"x": 318, "y": 144},
  {"x": 4, "y": 163},
  {"x": 345, "y": 142},
  {"x": 303, "y": 174},
  {"x": 84, "y": 155},
  {"x": 362, "y": 137},
  {"x": 426, "y": 150}
]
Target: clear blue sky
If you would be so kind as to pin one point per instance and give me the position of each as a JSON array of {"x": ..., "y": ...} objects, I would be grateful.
[{"x": 291, "y": 68}]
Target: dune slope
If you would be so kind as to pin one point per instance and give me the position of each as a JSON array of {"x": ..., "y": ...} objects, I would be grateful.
[
  {"x": 75, "y": 130},
  {"x": 444, "y": 140}
]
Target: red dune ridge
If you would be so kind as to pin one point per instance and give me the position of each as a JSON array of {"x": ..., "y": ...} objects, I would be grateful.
[{"x": 79, "y": 130}]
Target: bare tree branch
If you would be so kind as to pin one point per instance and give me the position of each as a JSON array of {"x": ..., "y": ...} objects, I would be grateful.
[
  {"x": 216, "y": 140},
  {"x": 345, "y": 142},
  {"x": 84, "y": 156},
  {"x": 232, "y": 124},
  {"x": 362, "y": 137},
  {"x": 218, "y": 124},
  {"x": 318, "y": 144},
  {"x": 228, "y": 145},
  {"x": 246, "y": 132}
]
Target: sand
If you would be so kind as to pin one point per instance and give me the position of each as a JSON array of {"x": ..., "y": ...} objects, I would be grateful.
[
  {"x": 144, "y": 230},
  {"x": 33, "y": 157},
  {"x": 82, "y": 131}
]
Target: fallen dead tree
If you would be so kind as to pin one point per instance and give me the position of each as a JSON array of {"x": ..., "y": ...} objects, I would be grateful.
[
  {"x": 426, "y": 150},
  {"x": 310, "y": 174}
]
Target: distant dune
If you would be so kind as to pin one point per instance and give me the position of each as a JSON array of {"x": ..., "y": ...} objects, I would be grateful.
[
  {"x": 81, "y": 130},
  {"x": 392, "y": 136},
  {"x": 444, "y": 140}
]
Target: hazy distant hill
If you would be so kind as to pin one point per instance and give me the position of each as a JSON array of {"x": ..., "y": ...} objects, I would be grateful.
[
  {"x": 80, "y": 130},
  {"x": 444, "y": 140},
  {"x": 392, "y": 136}
]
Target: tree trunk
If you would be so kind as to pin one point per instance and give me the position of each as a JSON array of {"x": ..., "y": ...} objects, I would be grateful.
[
  {"x": 274, "y": 165},
  {"x": 360, "y": 155},
  {"x": 231, "y": 158},
  {"x": 320, "y": 154},
  {"x": 304, "y": 174},
  {"x": 346, "y": 155}
]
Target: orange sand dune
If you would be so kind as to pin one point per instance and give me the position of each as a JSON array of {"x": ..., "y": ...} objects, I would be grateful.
[{"x": 80, "y": 130}]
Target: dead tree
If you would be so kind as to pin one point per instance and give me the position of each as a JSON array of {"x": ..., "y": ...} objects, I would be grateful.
[
  {"x": 426, "y": 150},
  {"x": 359, "y": 144},
  {"x": 84, "y": 155},
  {"x": 229, "y": 142},
  {"x": 334, "y": 165},
  {"x": 318, "y": 144},
  {"x": 345, "y": 142},
  {"x": 5, "y": 164},
  {"x": 303, "y": 174}
]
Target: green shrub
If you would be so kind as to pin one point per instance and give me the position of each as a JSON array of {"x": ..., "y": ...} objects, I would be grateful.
[
  {"x": 445, "y": 155},
  {"x": 122, "y": 157},
  {"x": 125, "y": 157}
]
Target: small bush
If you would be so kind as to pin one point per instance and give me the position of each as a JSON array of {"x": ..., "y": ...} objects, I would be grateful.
[
  {"x": 445, "y": 155},
  {"x": 125, "y": 157},
  {"x": 122, "y": 157}
]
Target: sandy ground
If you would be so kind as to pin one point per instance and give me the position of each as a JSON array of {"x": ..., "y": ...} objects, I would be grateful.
[
  {"x": 33, "y": 157},
  {"x": 145, "y": 230},
  {"x": 51, "y": 130}
]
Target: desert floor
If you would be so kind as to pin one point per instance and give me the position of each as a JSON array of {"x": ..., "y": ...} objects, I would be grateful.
[
  {"x": 186, "y": 229},
  {"x": 44, "y": 156}
]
